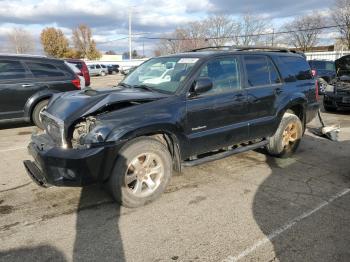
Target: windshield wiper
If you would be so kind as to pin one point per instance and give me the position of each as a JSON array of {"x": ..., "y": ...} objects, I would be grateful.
[
  {"x": 145, "y": 87},
  {"x": 124, "y": 85}
]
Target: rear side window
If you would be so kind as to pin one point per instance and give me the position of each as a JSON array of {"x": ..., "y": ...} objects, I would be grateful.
[
  {"x": 295, "y": 68},
  {"x": 11, "y": 70},
  {"x": 44, "y": 70},
  {"x": 98, "y": 66},
  {"x": 257, "y": 70}
]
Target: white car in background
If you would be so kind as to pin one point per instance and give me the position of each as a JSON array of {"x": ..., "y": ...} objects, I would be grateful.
[{"x": 97, "y": 69}]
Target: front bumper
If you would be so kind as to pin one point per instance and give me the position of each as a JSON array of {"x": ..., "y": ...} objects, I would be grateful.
[{"x": 68, "y": 167}]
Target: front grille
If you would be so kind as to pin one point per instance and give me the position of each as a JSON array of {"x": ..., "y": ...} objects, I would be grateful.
[
  {"x": 343, "y": 92},
  {"x": 53, "y": 128}
]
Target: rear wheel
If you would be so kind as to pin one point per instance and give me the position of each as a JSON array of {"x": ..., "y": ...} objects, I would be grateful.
[
  {"x": 287, "y": 137},
  {"x": 141, "y": 173},
  {"x": 38, "y": 109}
]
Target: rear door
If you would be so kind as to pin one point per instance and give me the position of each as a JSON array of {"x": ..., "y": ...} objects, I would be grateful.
[
  {"x": 263, "y": 86},
  {"x": 51, "y": 75},
  {"x": 217, "y": 118},
  {"x": 15, "y": 85}
]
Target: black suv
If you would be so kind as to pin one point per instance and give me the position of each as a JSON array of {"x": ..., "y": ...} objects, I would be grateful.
[
  {"x": 174, "y": 111},
  {"x": 28, "y": 82},
  {"x": 324, "y": 71},
  {"x": 113, "y": 69}
]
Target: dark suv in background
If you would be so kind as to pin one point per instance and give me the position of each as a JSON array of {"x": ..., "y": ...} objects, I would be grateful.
[
  {"x": 211, "y": 104},
  {"x": 28, "y": 82},
  {"x": 323, "y": 69}
]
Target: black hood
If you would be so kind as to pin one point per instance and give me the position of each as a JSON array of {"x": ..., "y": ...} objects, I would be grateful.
[{"x": 73, "y": 105}]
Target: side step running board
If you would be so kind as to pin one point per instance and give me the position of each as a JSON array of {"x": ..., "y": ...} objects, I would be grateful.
[{"x": 225, "y": 154}]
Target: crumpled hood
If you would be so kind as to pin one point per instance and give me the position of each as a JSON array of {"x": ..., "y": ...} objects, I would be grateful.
[
  {"x": 342, "y": 65},
  {"x": 73, "y": 105}
]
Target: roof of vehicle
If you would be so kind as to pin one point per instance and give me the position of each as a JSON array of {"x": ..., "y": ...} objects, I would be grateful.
[
  {"x": 25, "y": 56},
  {"x": 216, "y": 53},
  {"x": 74, "y": 60},
  {"x": 320, "y": 60},
  {"x": 209, "y": 51}
]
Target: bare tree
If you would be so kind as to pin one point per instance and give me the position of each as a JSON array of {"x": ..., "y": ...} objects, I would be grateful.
[
  {"x": 214, "y": 31},
  {"x": 219, "y": 29},
  {"x": 20, "y": 41},
  {"x": 84, "y": 44},
  {"x": 305, "y": 31},
  {"x": 341, "y": 16},
  {"x": 173, "y": 43},
  {"x": 249, "y": 29}
]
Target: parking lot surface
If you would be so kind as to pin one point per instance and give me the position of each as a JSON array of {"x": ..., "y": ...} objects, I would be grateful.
[{"x": 248, "y": 207}]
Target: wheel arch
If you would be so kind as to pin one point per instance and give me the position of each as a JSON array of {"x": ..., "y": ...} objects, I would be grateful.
[
  {"x": 297, "y": 106},
  {"x": 168, "y": 137},
  {"x": 34, "y": 100}
]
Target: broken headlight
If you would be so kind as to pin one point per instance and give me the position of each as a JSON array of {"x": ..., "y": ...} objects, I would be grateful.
[{"x": 96, "y": 136}]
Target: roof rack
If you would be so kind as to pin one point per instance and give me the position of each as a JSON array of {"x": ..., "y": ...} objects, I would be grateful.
[{"x": 245, "y": 48}]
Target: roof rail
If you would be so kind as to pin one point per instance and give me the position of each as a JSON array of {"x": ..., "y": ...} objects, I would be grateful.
[
  {"x": 209, "y": 47},
  {"x": 245, "y": 48}
]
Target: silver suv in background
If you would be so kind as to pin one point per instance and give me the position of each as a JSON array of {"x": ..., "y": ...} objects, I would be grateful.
[{"x": 97, "y": 69}]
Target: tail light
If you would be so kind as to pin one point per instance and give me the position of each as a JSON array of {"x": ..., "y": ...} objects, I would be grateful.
[
  {"x": 313, "y": 72},
  {"x": 76, "y": 82},
  {"x": 316, "y": 90}
]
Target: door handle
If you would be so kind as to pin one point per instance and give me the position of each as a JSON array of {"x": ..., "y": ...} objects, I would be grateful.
[
  {"x": 278, "y": 90},
  {"x": 27, "y": 85}
]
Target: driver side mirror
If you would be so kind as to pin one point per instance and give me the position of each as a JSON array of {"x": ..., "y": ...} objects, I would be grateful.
[{"x": 202, "y": 85}]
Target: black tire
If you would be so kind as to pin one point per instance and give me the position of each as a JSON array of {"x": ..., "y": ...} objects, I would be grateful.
[
  {"x": 329, "y": 108},
  {"x": 124, "y": 193},
  {"x": 36, "y": 113},
  {"x": 277, "y": 145}
]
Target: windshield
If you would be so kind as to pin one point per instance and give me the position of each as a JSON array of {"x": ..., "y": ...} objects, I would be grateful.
[
  {"x": 324, "y": 65},
  {"x": 163, "y": 74}
]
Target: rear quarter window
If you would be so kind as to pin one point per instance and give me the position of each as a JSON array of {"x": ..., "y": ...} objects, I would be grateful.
[
  {"x": 294, "y": 68},
  {"x": 41, "y": 69}
]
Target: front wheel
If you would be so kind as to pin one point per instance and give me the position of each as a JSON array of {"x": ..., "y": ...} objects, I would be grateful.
[
  {"x": 103, "y": 73},
  {"x": 287, "y": 137},
  {"x": 141, "y": 173},
  {"x": 36, "y": 115}
]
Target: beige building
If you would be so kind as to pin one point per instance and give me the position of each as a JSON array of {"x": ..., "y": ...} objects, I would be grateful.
[{"x": 111, "y": 58}]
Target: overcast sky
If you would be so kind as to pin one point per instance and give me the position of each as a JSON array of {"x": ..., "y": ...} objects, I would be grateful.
[{"x": 109, "y": 19}]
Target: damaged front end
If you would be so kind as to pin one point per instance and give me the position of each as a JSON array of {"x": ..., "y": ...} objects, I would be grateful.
[
  {"x": 337, "y": 93},
  {"x": 74, "y": 150}
]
